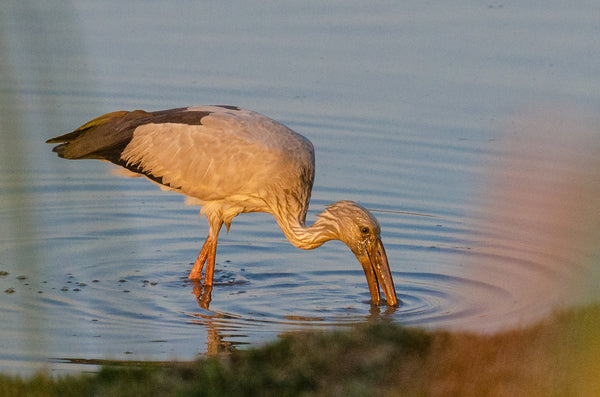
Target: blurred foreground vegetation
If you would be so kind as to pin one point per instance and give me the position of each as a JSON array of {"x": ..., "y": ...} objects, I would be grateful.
[{"x": 557, "y": 357}]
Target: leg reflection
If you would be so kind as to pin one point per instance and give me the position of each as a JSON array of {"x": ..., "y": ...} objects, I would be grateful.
[
  {"x": 202, "y": 293},
  {"x": 213, "y": 321}
]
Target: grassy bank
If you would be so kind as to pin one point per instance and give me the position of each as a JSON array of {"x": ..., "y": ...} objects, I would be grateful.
[{"x": 558, "y": 357}]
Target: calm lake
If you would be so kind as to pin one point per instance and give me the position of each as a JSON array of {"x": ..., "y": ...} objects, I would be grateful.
[{"x": 471, "y": 130}]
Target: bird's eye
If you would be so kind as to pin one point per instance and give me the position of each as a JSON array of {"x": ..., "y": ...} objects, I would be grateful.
[{"x": 364, "y": 230}]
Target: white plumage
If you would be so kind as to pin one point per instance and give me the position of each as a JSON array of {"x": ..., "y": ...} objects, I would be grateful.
[{"x": 229, "y": 161}]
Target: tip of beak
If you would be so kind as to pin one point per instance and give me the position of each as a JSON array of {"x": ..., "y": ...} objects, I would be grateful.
[
  {"x": 388, "y": 301},
  {"x": 377, "y": 271},
  {"x": 383, "y": 274},
  {"x": 393, "y": 301}
]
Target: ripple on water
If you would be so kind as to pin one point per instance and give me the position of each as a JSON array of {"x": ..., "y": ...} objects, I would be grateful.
[{"x": 107, "y": 259}]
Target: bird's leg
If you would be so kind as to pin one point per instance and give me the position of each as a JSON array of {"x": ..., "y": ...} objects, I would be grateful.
[
  {"x": 196, "y": 272},
  {"x": 210, "y": 263},
  {"x": 207, "y": 255}
]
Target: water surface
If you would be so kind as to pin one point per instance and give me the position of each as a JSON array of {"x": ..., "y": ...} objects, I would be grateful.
[{"x": 469, "y": 128}]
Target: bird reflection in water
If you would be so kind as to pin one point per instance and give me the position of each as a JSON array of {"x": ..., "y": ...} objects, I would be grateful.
[{"x": 221, "y": 340}]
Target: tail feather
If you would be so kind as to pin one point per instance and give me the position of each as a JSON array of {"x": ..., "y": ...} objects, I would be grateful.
[
  {"x": 101, "y": 138},
  {"x": 59, "y": 149},
  {"x": 98, "y": 121}
]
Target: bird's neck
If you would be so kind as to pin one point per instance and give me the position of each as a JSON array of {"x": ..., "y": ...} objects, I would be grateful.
[{"x": 309, "y": 237}]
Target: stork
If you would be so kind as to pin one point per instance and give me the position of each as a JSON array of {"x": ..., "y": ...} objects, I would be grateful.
[{"x": 230, "y": 161}]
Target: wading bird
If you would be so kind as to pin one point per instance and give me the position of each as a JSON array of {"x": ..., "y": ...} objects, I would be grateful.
[{"x": 230, "y": 161}]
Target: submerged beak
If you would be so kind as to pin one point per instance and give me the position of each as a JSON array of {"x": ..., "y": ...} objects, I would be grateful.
[{"x": 377, "y": 271}]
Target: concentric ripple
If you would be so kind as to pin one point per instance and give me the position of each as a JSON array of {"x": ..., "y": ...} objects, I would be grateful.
[{"x": 93, "y": 266}]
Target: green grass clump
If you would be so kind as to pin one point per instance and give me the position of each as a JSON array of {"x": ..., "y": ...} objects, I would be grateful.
[{"x": 558, "y": 357}]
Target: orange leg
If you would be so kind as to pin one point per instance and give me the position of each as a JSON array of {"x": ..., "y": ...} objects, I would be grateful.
[
  {"x": 210, "y": 263},
  {"x": 207, "y": 255},
  {"x": 196, "y": 272}
]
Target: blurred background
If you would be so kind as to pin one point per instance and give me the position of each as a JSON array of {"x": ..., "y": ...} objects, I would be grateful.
[{"x": 472, "y": 127}]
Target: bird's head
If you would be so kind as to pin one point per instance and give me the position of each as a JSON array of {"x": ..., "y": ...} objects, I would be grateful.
[{"x": 360, "y": 231}]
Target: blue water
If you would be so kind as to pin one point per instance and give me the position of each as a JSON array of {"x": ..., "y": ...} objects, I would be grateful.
[{"x": 470, "y": 128}]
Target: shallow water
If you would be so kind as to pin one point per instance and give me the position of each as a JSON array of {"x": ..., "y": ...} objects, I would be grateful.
[{"x": 469, "y": 129}]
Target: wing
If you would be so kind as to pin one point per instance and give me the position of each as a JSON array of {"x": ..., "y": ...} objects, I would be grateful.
[
  {"x": 232, "y": 154},
  {"x": 211, "y": 153},
  {"x": 106, "y": 136}
]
